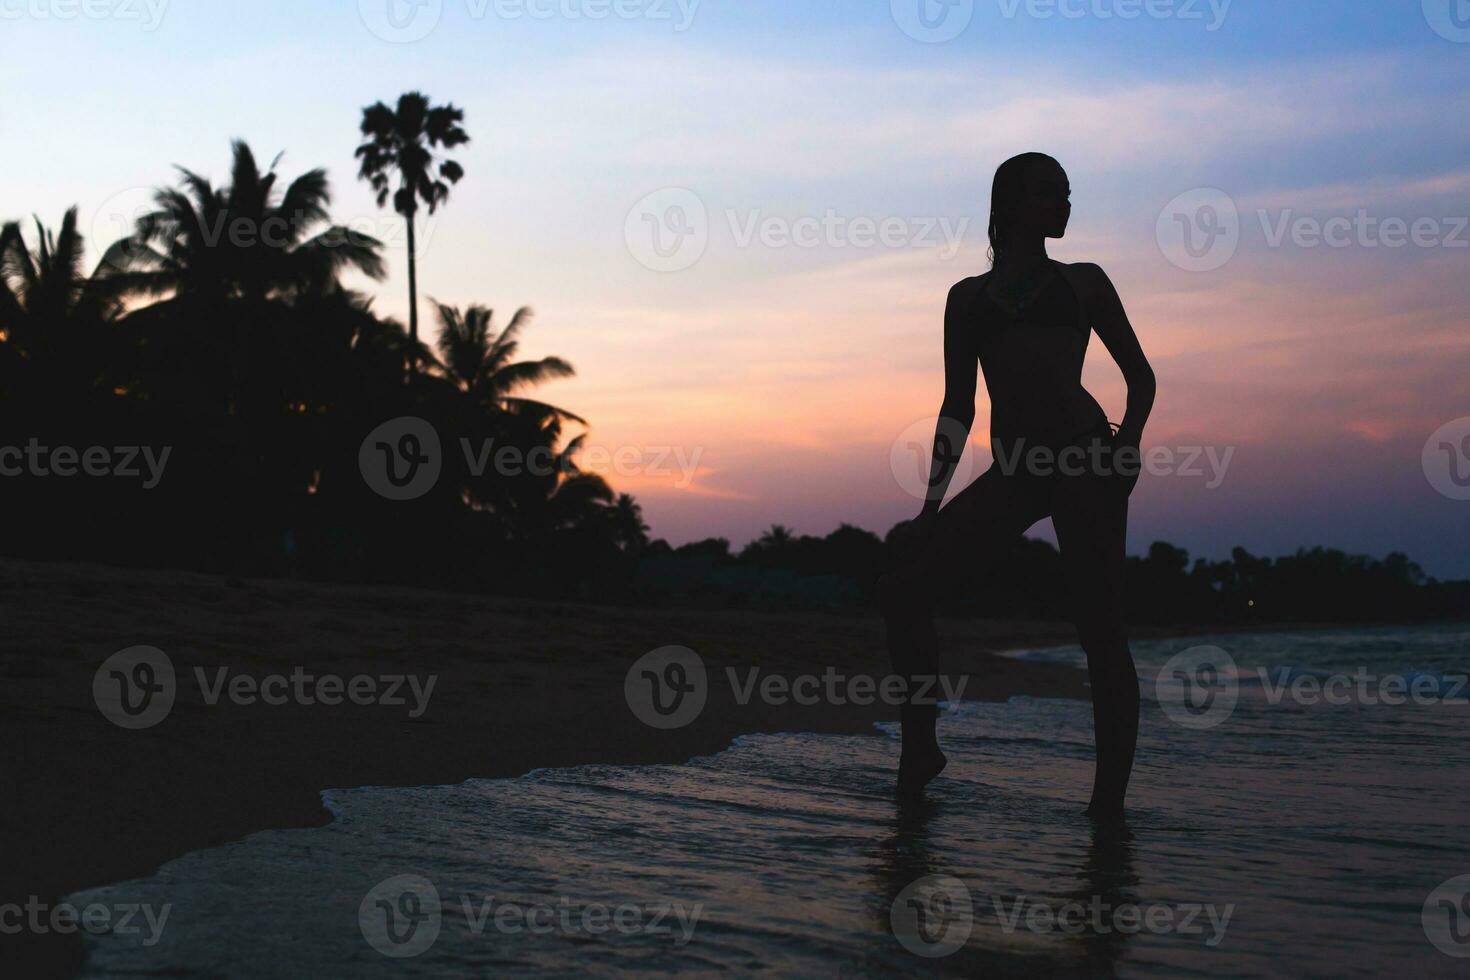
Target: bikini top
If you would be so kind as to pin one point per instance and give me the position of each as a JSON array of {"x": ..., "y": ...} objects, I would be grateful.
[{"x": 1043, "y": 305}]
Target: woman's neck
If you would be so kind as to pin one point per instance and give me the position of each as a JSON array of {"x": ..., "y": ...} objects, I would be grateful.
[{"x": 1023, "y": 256}]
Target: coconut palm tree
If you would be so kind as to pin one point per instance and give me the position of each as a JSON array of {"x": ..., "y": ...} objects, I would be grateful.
[
  {"x": 551, "y": 492},
  {"x": 479, "y": 360},
  {"x": 50, "y": 312},
  {"x": 403, "y": 142},
  {"x": 243, "y": 241},
  {"x": 626, "y": 519}
]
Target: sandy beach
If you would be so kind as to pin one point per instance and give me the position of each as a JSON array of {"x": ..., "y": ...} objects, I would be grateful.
[{"x": 517, "y": 685}]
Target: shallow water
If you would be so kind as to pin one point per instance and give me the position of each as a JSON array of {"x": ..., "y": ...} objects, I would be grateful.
[{"x": 1286, "y": 838}]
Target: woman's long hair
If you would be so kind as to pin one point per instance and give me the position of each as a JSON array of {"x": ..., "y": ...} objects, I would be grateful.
[{"x": 1005, "y": 194}]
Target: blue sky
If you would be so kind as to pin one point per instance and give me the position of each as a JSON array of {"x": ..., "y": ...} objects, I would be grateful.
[{"x": 792, "y": 371}]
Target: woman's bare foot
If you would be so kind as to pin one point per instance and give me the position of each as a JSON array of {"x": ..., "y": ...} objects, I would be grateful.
[
  {"x": 917, "y": 766},
  {"x": 1103, "y": 812}
]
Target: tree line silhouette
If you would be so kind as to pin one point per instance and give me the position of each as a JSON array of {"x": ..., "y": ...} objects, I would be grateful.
[
  {"x": 1163, "y": 587},
  {"x": 221, "y": 330}
]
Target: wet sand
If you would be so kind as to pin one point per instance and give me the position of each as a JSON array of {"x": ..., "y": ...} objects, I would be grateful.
[{"x": 519, "y": 685}]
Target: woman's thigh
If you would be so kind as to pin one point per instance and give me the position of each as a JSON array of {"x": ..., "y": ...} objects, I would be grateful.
[
  {"x": 1090, "y": 514},
  {"x": 972, "y": 528}
]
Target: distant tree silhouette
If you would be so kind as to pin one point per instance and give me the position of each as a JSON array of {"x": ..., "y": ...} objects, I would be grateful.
[
  {"x": 52, "y": 315},
  {"x": 628, "y": 529},
  {"x": 403, "y": 141},
  {"x": 770, "y": 547},
  {"x": 1163, "y": 589}
]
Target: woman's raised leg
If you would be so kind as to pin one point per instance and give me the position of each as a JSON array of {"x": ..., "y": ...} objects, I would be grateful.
[{"x": 974, "y": 527}]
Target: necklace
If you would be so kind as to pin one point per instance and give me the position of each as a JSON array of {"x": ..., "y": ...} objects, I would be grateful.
[{"x": 1021, "y": 290}]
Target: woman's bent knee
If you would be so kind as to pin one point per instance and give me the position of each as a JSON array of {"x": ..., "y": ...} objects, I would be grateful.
[{"x": 899, "y": 592}]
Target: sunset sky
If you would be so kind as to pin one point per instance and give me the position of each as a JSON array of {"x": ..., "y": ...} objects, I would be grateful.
[{"x": 785, "y": 373}]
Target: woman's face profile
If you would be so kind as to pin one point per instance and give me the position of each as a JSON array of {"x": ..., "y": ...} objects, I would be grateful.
[{"x": 1047, "y": 203}]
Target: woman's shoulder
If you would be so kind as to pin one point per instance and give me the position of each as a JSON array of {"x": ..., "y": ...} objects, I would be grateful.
[
  {"x": 968, "y": 287},
  {"x": 1087, "y": 273},
  {"x": 1088, "y": 279}
]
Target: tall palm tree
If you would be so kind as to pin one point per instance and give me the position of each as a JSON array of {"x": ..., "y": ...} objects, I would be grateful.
[
  {"x": 403, "y": 141},
  {"x": 479, "y": 360},
  {"x": 244, "y": 241}
]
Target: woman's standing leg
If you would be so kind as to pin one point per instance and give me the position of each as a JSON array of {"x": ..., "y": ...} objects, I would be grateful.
[
  {"x": 973, "y": 528},
  {"x": 1091, "y": 517}
]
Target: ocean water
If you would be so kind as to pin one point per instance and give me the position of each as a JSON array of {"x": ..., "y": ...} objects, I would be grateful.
[{"x": 1275, "y": 836}]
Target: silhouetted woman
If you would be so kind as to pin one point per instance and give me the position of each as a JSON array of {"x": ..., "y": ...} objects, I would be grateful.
[{"x": 1027, "y": 322}]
